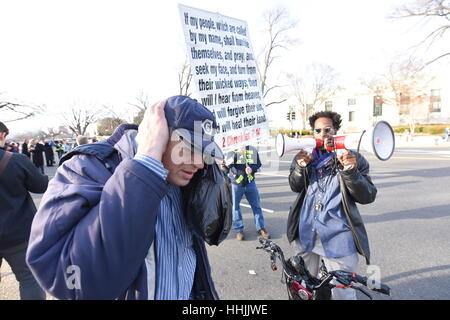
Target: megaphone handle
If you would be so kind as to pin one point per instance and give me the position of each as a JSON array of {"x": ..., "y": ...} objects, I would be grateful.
[{"x": 360, "y": 139}]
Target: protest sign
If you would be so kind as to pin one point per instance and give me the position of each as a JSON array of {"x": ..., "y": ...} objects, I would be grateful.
[{"x": 224, "y": 71}]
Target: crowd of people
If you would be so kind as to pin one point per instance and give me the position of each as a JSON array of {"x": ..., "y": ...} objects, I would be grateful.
[
  {"x": 45, "y": 152},
  {"x": 114, "y": 213}
]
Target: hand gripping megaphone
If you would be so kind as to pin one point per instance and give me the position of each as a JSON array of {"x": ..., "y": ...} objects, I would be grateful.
[{"x": 379, "y": 140}]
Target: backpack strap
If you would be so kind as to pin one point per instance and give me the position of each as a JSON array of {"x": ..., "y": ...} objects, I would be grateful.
[
  {"x": 102, "y": 150},
  {"x": 4, "y": 161}
]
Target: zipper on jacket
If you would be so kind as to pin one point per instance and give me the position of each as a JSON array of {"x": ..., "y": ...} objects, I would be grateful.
[{"x": 346, "y": 210}]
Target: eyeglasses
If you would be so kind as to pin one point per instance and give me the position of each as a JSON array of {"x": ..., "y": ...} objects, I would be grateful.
[{"x": 325, "y": 130}]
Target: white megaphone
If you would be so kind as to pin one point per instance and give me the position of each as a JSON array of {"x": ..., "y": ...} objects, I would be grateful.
[{"x": 379, "y": 140}]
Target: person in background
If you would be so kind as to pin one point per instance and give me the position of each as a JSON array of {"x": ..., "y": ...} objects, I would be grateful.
[
  {"x": 244, "y": 163},
  {"x": 49, "y": 155},
  {"x": 25, "y": 149},
  {"x": 59, "y": 149},
  {"x": 18, "y": 177},
  {"x": 324, "y": 220},
  {"x": 37, "y": 155},
  {"x": 11, "y": 147},
  {"x": 82, "y": 140}
]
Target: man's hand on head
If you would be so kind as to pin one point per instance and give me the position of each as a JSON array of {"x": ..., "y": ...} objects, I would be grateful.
[{"x": 153, "y": 134}]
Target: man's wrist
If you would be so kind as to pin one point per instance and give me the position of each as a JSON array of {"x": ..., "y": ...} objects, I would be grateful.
[
  {"x": 151, "y": 163},
  {"x": 151, "y": 153}
]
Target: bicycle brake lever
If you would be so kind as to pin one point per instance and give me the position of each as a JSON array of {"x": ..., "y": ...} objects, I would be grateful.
[{"x": 273, "y": 265}]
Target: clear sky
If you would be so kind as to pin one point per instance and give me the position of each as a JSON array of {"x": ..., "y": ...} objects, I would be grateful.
[{"x": 105, "y": 52}]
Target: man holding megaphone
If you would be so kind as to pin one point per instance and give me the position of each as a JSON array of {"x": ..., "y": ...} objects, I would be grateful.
[{"x": 324, "y": 221}]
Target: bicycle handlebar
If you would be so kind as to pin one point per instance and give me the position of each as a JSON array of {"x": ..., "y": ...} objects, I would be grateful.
[
  {"x": 297, "y": 268},
  {"x": 347, "y": 278}
]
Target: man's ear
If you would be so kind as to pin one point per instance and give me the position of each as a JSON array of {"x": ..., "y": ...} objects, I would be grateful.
[{"x": 2, "y": 138}]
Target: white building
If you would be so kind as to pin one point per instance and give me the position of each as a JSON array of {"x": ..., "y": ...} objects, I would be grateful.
[{"x": 361, "y": 109}]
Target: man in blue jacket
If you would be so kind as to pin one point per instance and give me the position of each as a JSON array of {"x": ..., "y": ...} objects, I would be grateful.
[
  {"x": 18, "y": 177},
  {"x": 111, "y": 225},
  {"x": 324, "y": 220}
]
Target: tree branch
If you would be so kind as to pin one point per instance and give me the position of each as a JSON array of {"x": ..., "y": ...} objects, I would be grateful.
[{"x": 275, "y": 102}]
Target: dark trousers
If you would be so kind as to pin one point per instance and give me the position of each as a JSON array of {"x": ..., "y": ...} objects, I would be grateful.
[
  {"x": 49, "y": 161},
  {"x": 28, "y": 287},
  {"x": 41, "y": 168}
]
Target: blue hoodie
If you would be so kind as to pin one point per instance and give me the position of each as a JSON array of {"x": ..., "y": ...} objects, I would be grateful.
[{"x": 92, "y": 237}]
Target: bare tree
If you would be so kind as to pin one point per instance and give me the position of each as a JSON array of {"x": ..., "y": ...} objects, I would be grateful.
[
  {"x": 405, "y": 85},
  {"x": 185, "y": 78},
  {"x": 78, "y": 119},
  {"x": 13, "y": 111},
  {"x": 317, "y": 85},
  {"x": 141, "y": 103},
  {"x": 435, "y": 11},
  {"x": 409, "y": 85},
  {"x": 58, "y": 132},
  {"x": 27, "y": 135},
  {"x": 278, "y": 26}
]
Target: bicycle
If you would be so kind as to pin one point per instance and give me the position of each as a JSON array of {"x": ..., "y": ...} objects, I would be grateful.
[{"x": 301, "y": 285}]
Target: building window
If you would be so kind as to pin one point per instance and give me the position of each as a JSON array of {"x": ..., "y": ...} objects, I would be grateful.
[
  {"x": 435, "y": 100},
  {"x": 328, "y": 105},
  {"x": 351, "y": 102},
  {"x": 436, "y": 93},
  {"x": 351, "y": 116},
  {"x": 377, "y": 106}
]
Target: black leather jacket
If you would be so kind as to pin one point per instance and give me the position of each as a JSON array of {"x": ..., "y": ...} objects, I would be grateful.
[{"x": 355, "y": 185}]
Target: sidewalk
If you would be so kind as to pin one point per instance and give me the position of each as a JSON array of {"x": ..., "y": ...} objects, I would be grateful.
[{"x": 422, "y": 141}]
